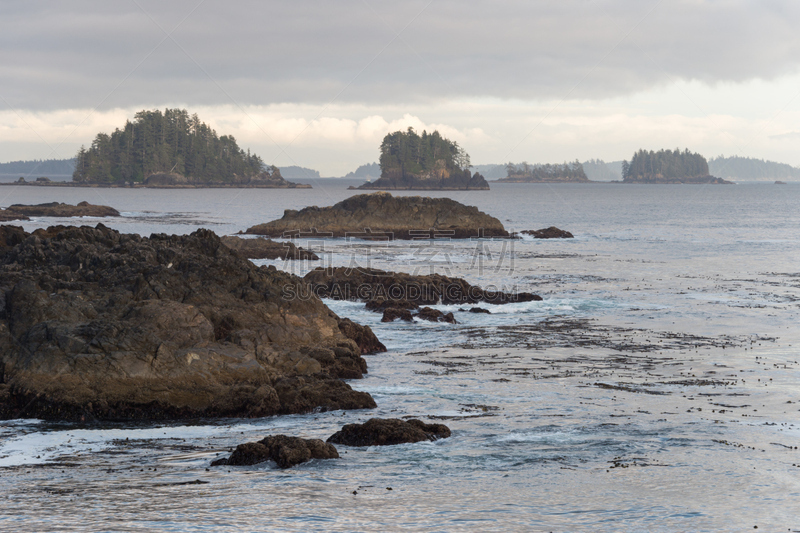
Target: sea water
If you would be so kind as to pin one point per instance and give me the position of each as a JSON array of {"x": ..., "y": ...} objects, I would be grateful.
[{"x": 655, "y": 387}]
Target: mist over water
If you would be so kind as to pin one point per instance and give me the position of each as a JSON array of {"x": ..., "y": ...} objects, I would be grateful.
[{"x": 653, "y": 389}]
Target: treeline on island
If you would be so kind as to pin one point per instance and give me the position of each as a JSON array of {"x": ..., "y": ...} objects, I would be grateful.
[
  {"x": 409, "y": 160},
  {"x": 748, "y": 168},
  {"x": 544, "y": 173},
  {"x": 667, "y": 166},
  {"x": 172, "y": 146}
]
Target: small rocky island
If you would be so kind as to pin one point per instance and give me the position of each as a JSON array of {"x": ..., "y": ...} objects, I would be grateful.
[
  {"x": 669, "y": 167},
  {"x": 99, "y": 325},
  {"x": 261, "y": 248},
  {"x": 56, "y": 209},
  {"x": 410, "y": 161},
  {"x": 383, "y": 216},
  {"x": 171, "y": 150},
  {"x": 547, "y": 173}
]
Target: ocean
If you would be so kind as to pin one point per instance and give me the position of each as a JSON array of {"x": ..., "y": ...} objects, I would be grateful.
[{"x": 655, "y": 388}]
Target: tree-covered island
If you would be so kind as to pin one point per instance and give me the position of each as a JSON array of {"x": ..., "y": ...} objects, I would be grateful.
[
  {"x": 172, "y": 149},
  {"x": 428, "y": 162},
  {"x": 668, "y": 166},
  {"x": 547, "y": 173}
]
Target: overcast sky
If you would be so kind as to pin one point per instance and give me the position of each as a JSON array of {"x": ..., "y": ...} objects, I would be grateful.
[{"x": 319, "y": 83}]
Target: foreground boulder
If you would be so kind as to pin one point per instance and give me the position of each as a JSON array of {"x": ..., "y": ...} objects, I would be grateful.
[
  {"x": 382, "y": 289},
  {"x": 267, "y": 249},
  {"x": 384, "y": 217},
  {"x": 95, "y": 324},
  {"x": 388, "y": 431},
  {"x": 549, "y": 233},
  {"x": 56, "y": 209},
  {"x": 285, "y": 451}
]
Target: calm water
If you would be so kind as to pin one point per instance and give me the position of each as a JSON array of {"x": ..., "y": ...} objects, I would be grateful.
[{"x": 654, "y": 389}]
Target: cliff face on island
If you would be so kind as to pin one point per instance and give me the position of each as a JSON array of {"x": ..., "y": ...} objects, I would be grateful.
[
  {"x": 95, "y": 324},
  {"x": 171, "y": 149},
  {"x": 424, "y": 162},
  {"x": 383, "y": 216}
]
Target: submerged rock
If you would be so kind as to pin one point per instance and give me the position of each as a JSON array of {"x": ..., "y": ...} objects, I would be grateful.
[
  {"x": 549, "y": 233},
  {"x": 261, "y": 248},
  {"x": 388, "y": 431},
  {"x": 56, "y": 209},
  {"x": 95, "y": 324},
  {"x": 285, "y": 451},
  {"x": 382, "y": 216}
]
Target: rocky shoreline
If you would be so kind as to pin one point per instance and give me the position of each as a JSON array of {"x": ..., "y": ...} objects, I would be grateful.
[
  {"x": 98, "y": 325},
  {"x": 56, "y": 209}
]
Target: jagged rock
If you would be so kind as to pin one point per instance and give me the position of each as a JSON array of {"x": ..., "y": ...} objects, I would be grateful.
[
  {"x": 549, "y": 233},
  {"x": 388, "y": 431},
  {"x": 343, "y": 283},
  {"x": 95, "y": 324},
  {"x": 434, "y": 315},
  {"x": 261, "y": 248},
  {"x": 285, "y": 451},
  {"x": 11, "y": 235},
  {"x": 381, "y": 304},
  {"x": 56, "y": 209},
  {"x": 362, "y": 335},
  {"x": 478, "y": 310},
  {"x": 391, "y": 314},
  {"x": 8, "y": 216},
  {"x": 383, "y": 216}
]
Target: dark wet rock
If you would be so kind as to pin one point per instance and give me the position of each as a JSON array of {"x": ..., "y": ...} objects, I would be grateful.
[
  {"x": 381, "y": 304},
  {"x": 391, "y": 314},
  {"x": 367, "y": 284},
  {"x": 382, "y": 216},
  {"x": 434, "y": 315},
  {"x": 479, "y": 310},
  {"x": 549, "y": 233},
  {"x": 56, "y": 209},
  {"x": 388, "y": 431},
  {"x": 363, "y": 336},
  {"x": 261, "y": 248},
  {"x": 285, "y": 451},
  {"x": 8, "y": 216},
  {"x": 95, "y": 324}
]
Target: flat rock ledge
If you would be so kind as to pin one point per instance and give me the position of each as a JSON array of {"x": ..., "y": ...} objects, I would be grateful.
[
  {"x": 56, "y": 209},
  {"x": 388, "y": 431},
  {"x": 549, "y": 233},
  {"x": 382, "y": 289},
  {"x": 381, "y": 216},
  {"x": 285, "y": 451},
  {"x": 261, "y": 248},
  {"x": 99, "y": 325}
]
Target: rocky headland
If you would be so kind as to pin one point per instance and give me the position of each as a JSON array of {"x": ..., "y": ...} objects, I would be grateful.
[
  {"x": 95, "y": 324},
  {"x": 56, "y": 209},
  {"x": 261, "y": 248},
  {"x": 382, "y": 216}
]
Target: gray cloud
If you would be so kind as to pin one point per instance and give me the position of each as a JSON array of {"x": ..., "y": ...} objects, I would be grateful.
[{"x": 83, "y": 53}]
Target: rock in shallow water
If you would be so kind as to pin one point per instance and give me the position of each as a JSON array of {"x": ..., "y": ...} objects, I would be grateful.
[
  {"x": 285, "y": 451},
  {"x": 388, "y": 431}
]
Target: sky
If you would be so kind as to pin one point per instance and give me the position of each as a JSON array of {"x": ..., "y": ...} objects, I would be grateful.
[{"x": 319, "y": 83}]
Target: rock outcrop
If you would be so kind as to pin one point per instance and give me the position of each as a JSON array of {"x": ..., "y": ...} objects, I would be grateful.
[
  {"x": 285, "y": 451},
  {"x": 382, "y": 216},
  {"x": 261, "y": 248},
  {"x": 382, "y": 289},
  {"x": 95, "y": 324},
  {"x": 455, "y": 181},
  {"x": 548, "y": 233},
  {"x": 388, "y": 431},
  {"x": 8, "y": 216},
  {"x": 56, "y": 209}
]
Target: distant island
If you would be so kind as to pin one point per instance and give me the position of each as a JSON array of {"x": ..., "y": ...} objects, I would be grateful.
[
  {"x": 748, "y": 168},
  {"x": 410, "y": 161},
  {"x": 668, "y": 167},
  {"x": 526, "y": 173},
  {"x": 368, "y": 171},
  {"x": 172, "y": 149}
]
